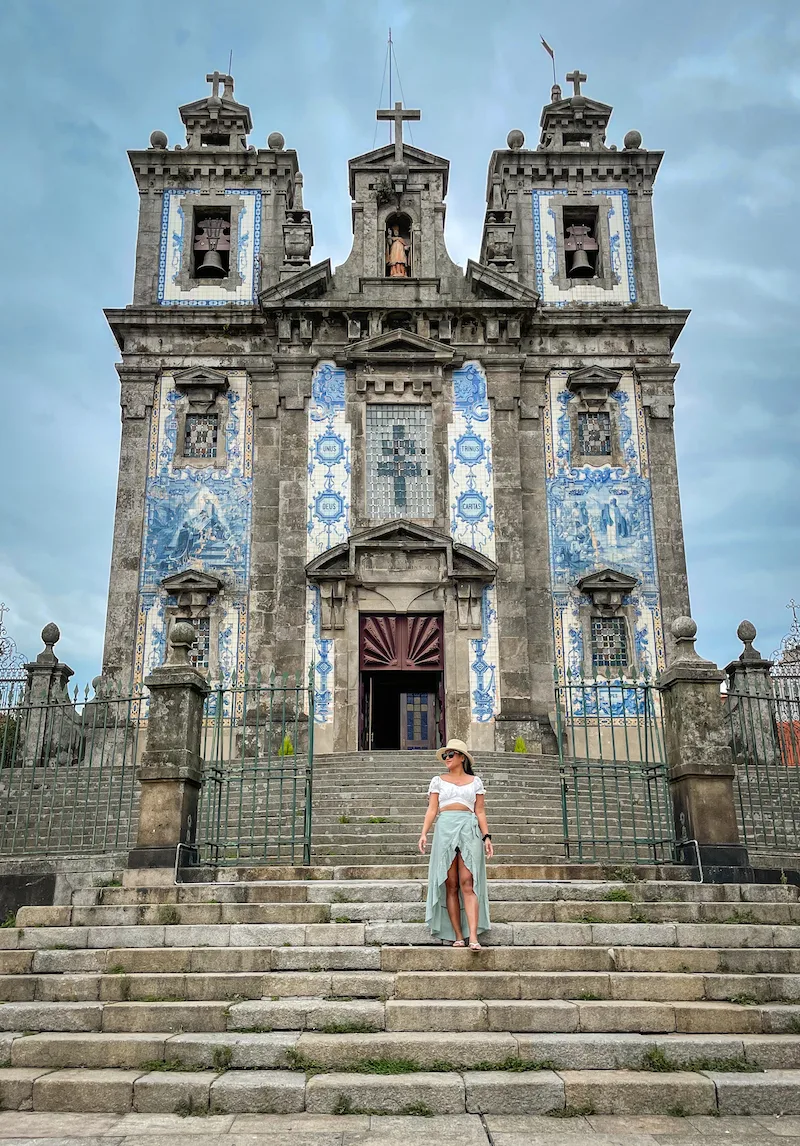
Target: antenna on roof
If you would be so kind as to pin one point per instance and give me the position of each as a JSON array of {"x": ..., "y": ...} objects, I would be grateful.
[
  {"x": 230, "y": 62},
  {"x": 390, "y": 49}
]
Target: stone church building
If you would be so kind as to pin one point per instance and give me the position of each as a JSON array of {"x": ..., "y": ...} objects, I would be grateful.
[{"x": 442, "y": 485}]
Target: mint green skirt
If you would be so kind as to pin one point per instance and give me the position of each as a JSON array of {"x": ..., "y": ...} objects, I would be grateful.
[{"x": 455, "y": 831}]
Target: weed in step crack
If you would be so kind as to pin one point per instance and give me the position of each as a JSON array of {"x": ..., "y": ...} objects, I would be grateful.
[
  {"x": 515, "y": 1065},
  {"x": 737, "y": 916},
  {"x": 342, "y": 919},
  {"x": 172, "y": 1064},
  {"x": 315, "y": 968},
  {"x": 743, "y": 1000},
  {"x": 379, "y": 820},
  {"x": 117, "y": 969},
  {"x": 168, "y": 915},
  {"x": 418, "y": 1110},
  {"x": 588, "y": 997},
  {"x": 222, "y": 1058},
  {"x": 10, "y": 919},
  {"x": 625, "y": 873},
  {"x": 339, "y": 897},
  {"x": 351, "y": 1028},
  {"x": 618, "y": 895},
  {"x": 343, "y": 1105},
  {"x": 655, "y": 1060}
]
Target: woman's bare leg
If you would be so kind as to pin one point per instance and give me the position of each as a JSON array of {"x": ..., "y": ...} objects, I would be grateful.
[
  {"x": 469, "y": 897},
  {"x": 453, "y": 902}
]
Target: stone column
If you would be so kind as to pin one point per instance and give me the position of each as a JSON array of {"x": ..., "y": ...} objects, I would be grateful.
[
  {"x": 700, "y": 762},
  {"x": 171, "y": 772},
  {"x": 50, "y": 721},
  {"x": 751, "y": 703}
]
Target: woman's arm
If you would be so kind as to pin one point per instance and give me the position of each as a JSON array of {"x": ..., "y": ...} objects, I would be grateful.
[
  {"x": 430, "y": 816},
  {"x": 480, "y": 812}
]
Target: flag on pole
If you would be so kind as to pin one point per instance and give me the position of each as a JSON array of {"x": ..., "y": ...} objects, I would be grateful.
[{"x": 547, "y": 48}]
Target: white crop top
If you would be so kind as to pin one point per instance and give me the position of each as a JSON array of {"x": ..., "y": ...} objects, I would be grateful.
[{"x": 456, "y": 793}]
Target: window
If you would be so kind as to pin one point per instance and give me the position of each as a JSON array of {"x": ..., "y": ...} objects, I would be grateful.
[
  {"x": 199, "y": 652},
  {"x": 211, "y": 248},
  {"x": 594, "y": 433},
  {"x": 200, "y": 435},
  {"x": 581, "y": 248},
  {"x": 399, "y": 462},
  {"x": 609, "y": 643}
]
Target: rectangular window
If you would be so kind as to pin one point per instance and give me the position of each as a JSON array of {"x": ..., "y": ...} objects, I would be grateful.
[
  {"x": 200, "y": 436},
  {"x": 198, "y": 653},
  {"x": 399, "y": 462},
  {"x": 211, "y": 242},
  {"x": 609, "y": 643},
  {"x": 581, "y": 248},
  {"x": 594, "y": 433}
]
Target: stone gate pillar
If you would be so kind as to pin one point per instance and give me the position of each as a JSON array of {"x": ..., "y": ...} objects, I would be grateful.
[
  {"x": 700, "y": 762},
  {"x": 751, "y": 703},
  {"x": 171, "y": 772}
]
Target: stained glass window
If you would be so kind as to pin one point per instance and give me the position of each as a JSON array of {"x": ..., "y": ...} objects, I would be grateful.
[
  {"x": 609, "y": 642},
  {"x": 200, "y": 436},
  {"x": 594, "y": 433},
  {"x": 399, "y": 462}
]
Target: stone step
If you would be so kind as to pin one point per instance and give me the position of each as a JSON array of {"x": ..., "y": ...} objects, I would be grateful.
[
  {"x": 353, "y": 1015},
  {"x": 172, "y": 934},
  {"x": 440, "y": 1092}
]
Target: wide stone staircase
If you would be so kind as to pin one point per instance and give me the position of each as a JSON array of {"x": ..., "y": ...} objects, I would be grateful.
[{"x": 325, "y": 994}]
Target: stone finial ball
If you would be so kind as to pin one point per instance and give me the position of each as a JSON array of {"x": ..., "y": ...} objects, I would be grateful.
[
  {"x": 51, "y": 633},
  {"x": 746, "y": 632},
  {"x": 275, "y": 141},
  {"x": 158, "y": 139},
  {"x": 633, "y": 140},
  {"x": 684, "y": 629},
  {"x": 182, "y": 634},
  {"x": 515, "y": 139}
]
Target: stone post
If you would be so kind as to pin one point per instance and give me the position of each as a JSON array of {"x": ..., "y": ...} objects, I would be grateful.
[
  {"x": 48, "y": 712},
  {"x": 751, "y": 703},
  {"x": 700, "y": 762},
  {"x": 171, "y": 772}
]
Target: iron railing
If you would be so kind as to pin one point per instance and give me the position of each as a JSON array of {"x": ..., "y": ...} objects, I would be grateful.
[
  {"x": 615, "y": 798},
  {"x": 764, "y": 719},
  {"x": 67, "y": 772},
  {"x": 258, "y": 744}
]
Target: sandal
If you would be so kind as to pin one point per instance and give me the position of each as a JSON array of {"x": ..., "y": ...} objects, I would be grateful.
[
  {"x": 475, "y": 945},
  {"x": 459, "y": 943}
]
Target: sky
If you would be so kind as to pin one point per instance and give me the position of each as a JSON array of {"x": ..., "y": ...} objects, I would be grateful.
[{"x": 714, "y": 83}]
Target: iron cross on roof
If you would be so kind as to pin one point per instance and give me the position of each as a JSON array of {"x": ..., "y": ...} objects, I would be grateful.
[
  {"x": 398, "y": 115},
  {"x": 576, "y": 78}
]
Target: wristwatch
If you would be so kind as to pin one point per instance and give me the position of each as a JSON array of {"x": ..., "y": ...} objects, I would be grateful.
[{"x": 488, "y": 836}]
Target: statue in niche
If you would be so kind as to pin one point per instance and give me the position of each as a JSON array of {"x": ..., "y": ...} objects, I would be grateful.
[{"x": 398, "y": 250}]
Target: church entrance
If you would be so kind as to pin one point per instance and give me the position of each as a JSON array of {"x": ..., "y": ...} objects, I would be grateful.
[{"x": 402, "y": 682}]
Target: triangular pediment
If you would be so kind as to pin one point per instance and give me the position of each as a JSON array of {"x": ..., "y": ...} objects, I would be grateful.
[
  {"x": 192, "y": 580},
  {"x": 606, "y": 579},
  {"x": 399, "y": 345},
  {"x": 382, "y": 160},
  {"x": 309, "y": 283},
  {"x": 340, "y": 562},
  {"x": 494, "y": 284},
  {"x": 593, "y": 378},
  {"x": 202, "y": 377}
]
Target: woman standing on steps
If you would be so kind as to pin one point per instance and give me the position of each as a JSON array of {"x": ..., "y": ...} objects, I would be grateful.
[{"x": 461, "y": 846}]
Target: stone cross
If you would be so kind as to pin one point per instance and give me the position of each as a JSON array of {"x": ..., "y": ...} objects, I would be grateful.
[
  {"x": 215, "y": 78},
  {"x": 576, "y": 78},
  {"x": 398, "y": 115}
]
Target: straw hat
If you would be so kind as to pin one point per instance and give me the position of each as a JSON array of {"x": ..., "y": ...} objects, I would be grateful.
[{"x": 455, "y": 746}]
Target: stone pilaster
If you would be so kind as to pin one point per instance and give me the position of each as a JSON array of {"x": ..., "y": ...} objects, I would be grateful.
[
  {"x": 700, "y": 762},
  {"x": 171, "y": 772}
]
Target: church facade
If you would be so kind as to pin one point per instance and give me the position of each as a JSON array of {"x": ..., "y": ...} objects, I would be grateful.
[{"x": 444, "y": 487}]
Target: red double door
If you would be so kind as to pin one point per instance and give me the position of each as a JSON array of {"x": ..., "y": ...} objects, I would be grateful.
[{"x": 402, "y": 681}]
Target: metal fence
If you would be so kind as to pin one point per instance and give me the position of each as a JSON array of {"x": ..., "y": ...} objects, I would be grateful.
[
  {"x": 67, "y": 772},
  {"x": 615, "y": 797},
  {"x": 258, "y": 744},
  {"x": 764, "y": 718}
]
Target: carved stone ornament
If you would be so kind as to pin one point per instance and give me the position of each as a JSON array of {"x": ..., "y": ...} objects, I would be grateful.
[
  {"x": 593, "y": 383},
  {"x": 607, "y": 588}
]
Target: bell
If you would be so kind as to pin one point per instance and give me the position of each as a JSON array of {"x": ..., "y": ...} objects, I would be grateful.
[
  {"x": 580, "y": 267},
  {"x": 211, "y": 266}
]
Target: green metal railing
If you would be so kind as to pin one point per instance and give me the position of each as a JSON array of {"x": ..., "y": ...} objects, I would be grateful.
[
  {"x": 67, "y": 773},
  {"x": 615, "y": 798},
  {"x": 258, "y": 744},
  {"x": 764, "y": 719}
]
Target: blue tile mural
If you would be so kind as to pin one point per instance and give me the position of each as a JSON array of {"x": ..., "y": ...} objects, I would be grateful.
[
  {"x": 621, "y": 252},
  {"x": 208, "y": 292}
]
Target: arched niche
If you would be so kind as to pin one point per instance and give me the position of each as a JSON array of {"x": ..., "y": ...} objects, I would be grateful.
[{"x": 400, "y": 258}]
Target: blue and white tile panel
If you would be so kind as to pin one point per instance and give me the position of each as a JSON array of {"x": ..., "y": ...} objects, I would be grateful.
[
  {"x": 600, "y": 517},
  {"x": 328, "y": 490},
  {"x": 173, "y": 237},
  {"x": 544, "y": 238},
  {"x": 327, "y": 512},
  {"x": 197, "y": 518},
  {"x": 471, "y": 502}
]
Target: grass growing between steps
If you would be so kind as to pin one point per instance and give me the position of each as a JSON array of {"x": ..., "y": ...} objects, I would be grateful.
[
  {"x": 173, "y": 1064},
  {"x": 298, "y": 1061},
  {"x": 344, "y": 1105},
  {"x": 655, "y": 1060}
]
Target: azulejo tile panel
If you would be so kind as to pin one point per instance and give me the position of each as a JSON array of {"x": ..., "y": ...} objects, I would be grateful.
[
  {"x": 621, "y": 252},
  {"x": 471, "y": 501},
  {"x": 327, "y": 512},
  {"x": 174, "y": 235},
  {"x": 197, "y": 518},
  {"x": 600, "y": 517}
]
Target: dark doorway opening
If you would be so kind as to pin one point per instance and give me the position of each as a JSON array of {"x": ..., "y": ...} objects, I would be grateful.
[{"x": 402, "y": 710}]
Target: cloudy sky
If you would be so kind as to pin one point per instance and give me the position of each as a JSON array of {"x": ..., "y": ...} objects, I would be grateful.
[{"x": 715, "y": 83}]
